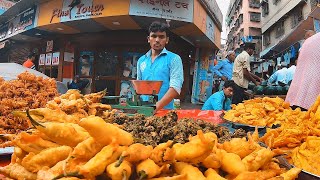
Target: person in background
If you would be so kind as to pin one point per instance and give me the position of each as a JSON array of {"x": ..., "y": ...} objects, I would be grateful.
[
  {"x": 29, "y": 63},
  {"x": 159, "y": 64},
  {"x": 280, "y": 76},
  {"x": 241, "y": 73},
  {"x": 78, "y": 83},
  {"x": 291, "y": 70},
  {"x": 224, "y": 68},
  {"x": 305, "y": 86},
  {"x": 307, "y": 35},
  {"x": 221, "y": 99}
]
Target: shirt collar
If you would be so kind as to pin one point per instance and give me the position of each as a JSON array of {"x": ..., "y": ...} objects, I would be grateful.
[
  {"x": 164, "y": 51},
  {"x": 228, "y": 60}
]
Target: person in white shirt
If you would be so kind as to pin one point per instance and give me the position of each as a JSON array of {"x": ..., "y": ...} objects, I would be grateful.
[
  {"x": 291, "y": 70},
  {"x": 280, "y": 76}
]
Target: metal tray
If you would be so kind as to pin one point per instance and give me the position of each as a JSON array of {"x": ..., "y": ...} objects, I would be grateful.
[{"x": 243, "y": 126}]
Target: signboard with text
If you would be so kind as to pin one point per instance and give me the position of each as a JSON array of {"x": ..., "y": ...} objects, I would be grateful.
[
  {"x": 76, "y": 10},
  {"x": 5, "y": 5},
  {"x": 180, "y": 10},
  {"x": 42, "y": 59},
  {"x": 48, "y": 59},
  {"x": 55, "y": 58},
  {"x": 21, "y": 23},
  {"x": 210, "y": 28}
]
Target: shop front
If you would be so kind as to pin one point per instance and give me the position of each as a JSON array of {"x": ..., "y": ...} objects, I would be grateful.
[{"x": 101, "y": 40}]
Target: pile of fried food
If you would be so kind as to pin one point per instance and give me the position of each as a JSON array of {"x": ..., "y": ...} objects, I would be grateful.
[
  {"x": 27, "y": 91},
  {"x": 155, "y": 130},
  {"x": 264, "y": 111},
  {"x": 93, "y": 147},
  {"x": 298, "y": 139}
]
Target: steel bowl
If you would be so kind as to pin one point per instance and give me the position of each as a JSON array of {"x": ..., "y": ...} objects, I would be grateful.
[{"x": 146, "y": 87}]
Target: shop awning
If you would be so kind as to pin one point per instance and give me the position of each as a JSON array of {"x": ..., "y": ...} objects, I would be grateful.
[{"x": 267, "y": 52}]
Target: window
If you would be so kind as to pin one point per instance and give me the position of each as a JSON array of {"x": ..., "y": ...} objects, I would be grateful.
[
  {"x": 265, "y": 8},
  {"x": 255, "y": 17},
  {"x": 296, "y": 17},
  {"x": 241, "y": 18},
  {"x": 275, "y": 2},
  {"x": 266, "y": 39},
  {"x": 279, "y": 29},
  {"x": 254, "y": 4}
]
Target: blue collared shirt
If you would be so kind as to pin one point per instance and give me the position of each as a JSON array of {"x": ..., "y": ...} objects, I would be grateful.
[
  {"x": 166, "y": 67},
  {"x": 217, "y": 102},
  {"x": 279, "y": 76},
  {"x": 224, "y": 68}
]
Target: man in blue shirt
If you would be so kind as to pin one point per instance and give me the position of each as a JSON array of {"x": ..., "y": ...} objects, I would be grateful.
[
  {"x": 161, "y": 64},
  {"x": 221, "y": 99},
  {"x": 224, "y": 68}
]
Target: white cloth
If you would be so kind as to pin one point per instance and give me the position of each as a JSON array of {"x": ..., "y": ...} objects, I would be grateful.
[
  {"x": 279, "y": 76},
  {"x": 290, "y": 73}
]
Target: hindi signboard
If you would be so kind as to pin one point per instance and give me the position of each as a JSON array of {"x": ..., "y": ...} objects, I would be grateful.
[{"x": 180, "y": 10}]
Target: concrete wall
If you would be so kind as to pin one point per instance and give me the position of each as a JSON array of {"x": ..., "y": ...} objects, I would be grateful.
[{"x": 274, "y": 11}]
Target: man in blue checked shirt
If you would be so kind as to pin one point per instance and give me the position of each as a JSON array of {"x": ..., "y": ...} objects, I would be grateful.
[
  {"x": 220, "y": 100},
  {"x": 160, "y": 64},
  {"x": 224, "y": 68}
]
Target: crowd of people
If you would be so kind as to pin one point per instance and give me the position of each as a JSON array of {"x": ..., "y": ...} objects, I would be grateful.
[{"x": 301, "y": 74}]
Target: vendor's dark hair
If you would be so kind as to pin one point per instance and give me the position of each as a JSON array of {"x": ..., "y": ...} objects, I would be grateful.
[
  {"x": 31, "y": 55},
  {"x": 229, "y": 83},
  {"x": 157, "y": 26}
]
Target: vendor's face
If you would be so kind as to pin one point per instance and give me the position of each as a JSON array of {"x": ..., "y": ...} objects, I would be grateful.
[
  {"x": 158, "y": 40},
  {"x": 228, "y": 92},
  {"x": 232, "y": 56}
]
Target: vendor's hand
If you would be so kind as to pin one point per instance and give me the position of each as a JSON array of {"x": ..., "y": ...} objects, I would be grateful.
[
  {"x": 259, "y": 80},
  {"x": 224, "y": 78},
  {"x": 257, "y": 83}
]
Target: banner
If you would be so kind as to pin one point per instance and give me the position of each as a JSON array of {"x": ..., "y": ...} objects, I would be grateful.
[
  {"x": 42, "y": 59},
  {"x": 76, "y": 10},
  {"x": 180, "y": 10},
  {"x": 55, "y": 58},
  {"x": 210, "y": 28},
  {"x": 5, "y": 5},
  {"x": 21, "y": 23},
  {"x": 48, "y": 59}
]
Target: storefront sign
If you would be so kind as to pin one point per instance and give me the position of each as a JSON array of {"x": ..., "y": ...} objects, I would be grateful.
[
  {"x": 5, "y": 5},
  {"x": 49, "y": 46},
  {"x": 76, "y": 10},
  {"x": 214, "y": 8},
  {"x": 48, "y": 59},
  {"x": 42, "y": 59},
  {"x": 19, "y": 24},
  {"x": 210, "y": 28},
  {"x": 180, "y": 10},
  {"x": 55, "y": 58}
]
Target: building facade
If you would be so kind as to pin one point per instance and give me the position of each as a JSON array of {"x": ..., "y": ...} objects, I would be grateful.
[
  {"x": 243, "y": 24},
  {"x": 283, "y": 25}
]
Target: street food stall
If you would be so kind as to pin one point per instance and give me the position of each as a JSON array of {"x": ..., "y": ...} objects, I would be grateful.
[{"x": 76, "y": 136}]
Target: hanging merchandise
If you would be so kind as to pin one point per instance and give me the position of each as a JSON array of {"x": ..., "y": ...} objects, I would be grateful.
[
  {"x": 287, "y": 58},
  {"x": 293, "y": 51}
]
